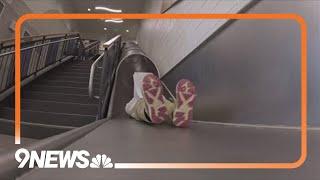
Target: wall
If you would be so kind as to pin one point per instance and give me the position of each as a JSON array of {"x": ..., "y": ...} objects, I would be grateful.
[
  {"x": 49, "y": 6},
  {"x": 250, "y": 71},
  {"x": 12, "y": 11},
  {"x": 167, "y": 42}
]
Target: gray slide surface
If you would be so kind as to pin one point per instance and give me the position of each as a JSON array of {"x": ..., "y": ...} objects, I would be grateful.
[{"x": 126, "y": 140}]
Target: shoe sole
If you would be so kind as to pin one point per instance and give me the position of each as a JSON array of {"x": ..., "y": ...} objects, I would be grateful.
[
  {"x": 154, "y": 99},
  {"x": 185, "y": 94}
]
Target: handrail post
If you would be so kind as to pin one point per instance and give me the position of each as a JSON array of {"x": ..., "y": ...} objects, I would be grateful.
[
  {"x": 39, "y": 56},
  {"x": 64, "y": 46}
]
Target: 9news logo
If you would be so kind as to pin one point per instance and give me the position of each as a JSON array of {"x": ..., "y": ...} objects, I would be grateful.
[{"x": 61, "y": 159}]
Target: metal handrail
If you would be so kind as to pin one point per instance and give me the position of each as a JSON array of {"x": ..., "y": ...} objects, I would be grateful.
[
  {"x": 92, "y": 71},
  {"x": 53, "y": 35},
  {"x": 108, "y": 43},
  {"x": 39, "y": 45},
  {"x": 93, "y": 68},
  {"x": 93, "y": 45}
]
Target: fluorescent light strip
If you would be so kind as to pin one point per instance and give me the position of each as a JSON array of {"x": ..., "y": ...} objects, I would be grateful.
[
  {"x": 108, "y": 9},
  {"x": 114, "y": 20}
]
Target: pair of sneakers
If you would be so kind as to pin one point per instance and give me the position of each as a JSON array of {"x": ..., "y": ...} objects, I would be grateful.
[{"x": 160, "y": 109}]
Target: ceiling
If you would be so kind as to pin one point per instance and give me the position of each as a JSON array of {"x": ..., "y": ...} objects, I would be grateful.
[{"x": 94, "y": 29}]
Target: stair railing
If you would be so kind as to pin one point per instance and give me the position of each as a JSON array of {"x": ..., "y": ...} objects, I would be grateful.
[
  {"x": 90, "y": 50},
  {"x": 38, "y": 53},
  {"x": 92, "y": 73},
  {"x": 109, "y": 62}
]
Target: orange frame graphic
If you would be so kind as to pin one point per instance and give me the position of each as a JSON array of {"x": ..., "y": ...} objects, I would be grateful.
[{"x": 303, "y": 36}]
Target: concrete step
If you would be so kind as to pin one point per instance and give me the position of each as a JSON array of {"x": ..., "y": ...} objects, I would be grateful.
[
  {"x": 58, "y": 89},
  {"x": 32, "y": 130},
  {"x": 75, "y": 69},
  {"x": 64, "y": 83},
  {"x": 59, "y": 107},
  {"x": 58, "y": 97},
  {"x": 49, "y": 118},
  {"x": 53, "y": 77}
]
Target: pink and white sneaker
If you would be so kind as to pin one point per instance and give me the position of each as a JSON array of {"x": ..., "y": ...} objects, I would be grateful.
[
  {"x": 185, "y": 95},
  {"x": 154, "y": 99}
]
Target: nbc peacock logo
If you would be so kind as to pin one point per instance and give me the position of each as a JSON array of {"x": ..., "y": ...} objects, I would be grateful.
[{"x": 101, "y": 161}]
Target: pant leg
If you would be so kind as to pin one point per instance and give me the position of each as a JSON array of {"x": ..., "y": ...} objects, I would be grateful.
[
  {"x": 131, "y": 107},
  {"x": 136, "y": 105},
  {"x": 139, "y": 111},
  {"x": 137, "y": 86},
  {"x": 171, "y": 106},
  {"x": 136, "y": 108}
]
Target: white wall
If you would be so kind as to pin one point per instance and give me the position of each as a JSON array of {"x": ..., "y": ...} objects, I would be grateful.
[{"x": 167, "y": 42}]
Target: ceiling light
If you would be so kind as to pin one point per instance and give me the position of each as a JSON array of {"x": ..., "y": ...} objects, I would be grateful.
[
  {"x": 114, "y": 20},
  {"x": 108, "y": 9},
  {"x": 105, "y": 29},
  {"x": 89, "y": 9},
  {"x": 127, "y": 30}
]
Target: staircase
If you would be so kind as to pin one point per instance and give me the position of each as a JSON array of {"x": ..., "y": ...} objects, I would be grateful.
[{"x": 56, "y": 102}]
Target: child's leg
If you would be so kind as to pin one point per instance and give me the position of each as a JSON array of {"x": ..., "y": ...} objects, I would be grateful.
[
  {"x": 171, "y": 106},
  {"x": 138, "y": 81},
  {"x": 148, "y": 103},
  {"x": 131, "y": 108},
  {"x": 135, "y": 102},
  {"x": 185, "y": 94},
  {"x": 138, "y": 111}
]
